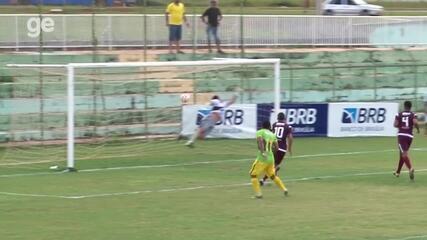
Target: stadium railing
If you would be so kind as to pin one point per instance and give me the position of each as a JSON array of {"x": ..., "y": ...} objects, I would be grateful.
[{"x": 23, "y": 31}]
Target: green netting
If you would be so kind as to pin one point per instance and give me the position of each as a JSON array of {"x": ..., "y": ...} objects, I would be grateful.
[{"x": 306, "y": 76}]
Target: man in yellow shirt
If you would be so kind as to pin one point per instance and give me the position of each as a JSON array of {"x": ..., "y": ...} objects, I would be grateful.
[{"x": 175, "y": 16}]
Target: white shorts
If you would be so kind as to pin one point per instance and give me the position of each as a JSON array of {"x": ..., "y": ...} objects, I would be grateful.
[{"x": 207, "y": 124}]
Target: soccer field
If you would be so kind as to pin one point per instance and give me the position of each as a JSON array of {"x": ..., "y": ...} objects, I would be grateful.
[{"x": 340, "y": 188}]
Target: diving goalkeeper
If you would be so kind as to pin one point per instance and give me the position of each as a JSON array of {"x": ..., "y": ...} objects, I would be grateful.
[{"x": 209, "y": 121}]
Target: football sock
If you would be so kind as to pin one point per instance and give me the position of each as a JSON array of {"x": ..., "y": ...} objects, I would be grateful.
[
  {"x": 399, "y": 167},
  {"x": 279, "y": 183},
  {"x": 256, "y": 186},
  {"x": 194, "y": 137}
]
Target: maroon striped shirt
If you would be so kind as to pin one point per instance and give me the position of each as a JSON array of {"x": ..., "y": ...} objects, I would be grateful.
[
  {"x": 282, "y": 131},
  {"x": 405, "y": 125}
]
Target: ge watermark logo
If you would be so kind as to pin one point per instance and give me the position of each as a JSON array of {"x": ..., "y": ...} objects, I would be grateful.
[{"x": 35, "y": 25}]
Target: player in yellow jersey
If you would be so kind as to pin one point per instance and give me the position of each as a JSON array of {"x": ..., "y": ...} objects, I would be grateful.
[{"x": 267, "y": 145}]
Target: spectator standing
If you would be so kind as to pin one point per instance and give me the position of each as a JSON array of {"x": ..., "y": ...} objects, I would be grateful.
[
  {"x": 175, "y": 17},
  {"x": 212, "y": 18}
]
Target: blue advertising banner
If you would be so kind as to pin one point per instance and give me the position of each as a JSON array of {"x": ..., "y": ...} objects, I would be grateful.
[{"x": 305, "y": 119}]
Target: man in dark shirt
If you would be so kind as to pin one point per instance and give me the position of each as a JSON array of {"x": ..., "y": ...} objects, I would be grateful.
[
  {"x": 214, "y": 17},
  {"x": 405, "y": 122}
]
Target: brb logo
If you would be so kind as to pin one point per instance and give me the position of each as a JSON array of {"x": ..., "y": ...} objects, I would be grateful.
[
  {"x": 229, "y": 117},
  {"x": 363, "y": 115},
  {"x": 300, "y": 115}
]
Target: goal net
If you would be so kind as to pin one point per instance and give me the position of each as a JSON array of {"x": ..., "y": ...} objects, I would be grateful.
[{"x": 75, "y": 114}]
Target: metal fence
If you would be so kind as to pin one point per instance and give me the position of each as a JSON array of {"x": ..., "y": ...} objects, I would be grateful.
[
  {"x": 116, "y": 102},
  {"x": 21, "y": 31}
]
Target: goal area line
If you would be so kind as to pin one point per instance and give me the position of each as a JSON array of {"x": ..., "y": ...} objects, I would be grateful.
[
  {"x": 198, "y": 162},
  {"x": 182, "y": 164}
]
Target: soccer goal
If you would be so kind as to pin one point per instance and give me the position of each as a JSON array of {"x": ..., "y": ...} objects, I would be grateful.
[{"x": 114, "y": 110}]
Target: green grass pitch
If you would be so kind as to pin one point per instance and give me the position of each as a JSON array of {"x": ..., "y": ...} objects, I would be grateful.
[{"x": 340, "y": 188}]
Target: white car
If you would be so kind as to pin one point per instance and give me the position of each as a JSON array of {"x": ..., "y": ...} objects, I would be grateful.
[{"x": 351, "y": 7}]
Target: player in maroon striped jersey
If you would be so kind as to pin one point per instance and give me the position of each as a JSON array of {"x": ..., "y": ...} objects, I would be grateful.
[
  {"x": 405, "y": 122},
  {"x": 284, "y": 136}
]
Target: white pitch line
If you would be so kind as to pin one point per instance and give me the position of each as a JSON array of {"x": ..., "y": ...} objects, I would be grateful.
[
  {"x": 172, "y": 165},
  {"x": 202, "y": 163},
  {"x": 29, "y": 174},
  {"x": 225, "y": 161},
  {"x": 58, "y": 160},
  {"x": 347, "y": 175},
  {"x": 27, "y": 163},
  {"x": 410, "y": 237},
  {"x": 31, "y": 195},
  {"x": 419, "y": 149},
  {"x": 195, "y": 163},
  {"x": 191, "y": 188}
]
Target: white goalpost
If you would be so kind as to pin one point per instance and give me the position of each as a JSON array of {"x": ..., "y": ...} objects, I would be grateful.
[{"x": 71, "y": 69}]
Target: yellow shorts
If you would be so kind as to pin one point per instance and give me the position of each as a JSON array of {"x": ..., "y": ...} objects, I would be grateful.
[{"x": 259, "y": 167}]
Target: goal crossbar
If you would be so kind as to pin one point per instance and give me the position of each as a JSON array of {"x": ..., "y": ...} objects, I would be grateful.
[
  {"x": 230, "y": 61},
  {"x": 70, "y": 68}
]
